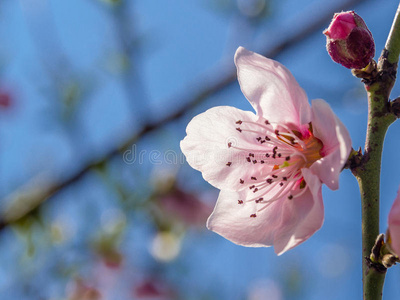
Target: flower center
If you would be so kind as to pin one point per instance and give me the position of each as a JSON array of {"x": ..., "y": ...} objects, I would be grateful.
[
  {"x": 283, "y": 152},
  {"x": 312, "y": 150}
]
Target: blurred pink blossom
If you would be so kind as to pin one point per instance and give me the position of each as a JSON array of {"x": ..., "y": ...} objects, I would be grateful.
[
  {"x": 152, "y": 289},
  {"x": 5, "y": 100},
  {"x": 394, "y": 226},
  {"x": 82, "y": 291},
  {"x": 270, "y": 165},
  {"x": 186, "y": 207}
]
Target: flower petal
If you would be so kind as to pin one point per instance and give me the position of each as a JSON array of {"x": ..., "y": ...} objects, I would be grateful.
[
  {"x": 283, "y": 224},
  {"x": 206, "y": 147},
  {"x": 271, "y": 89},
  {"x": 232, "y": 220},
  {"x": 301, "y": 217},
  {"x": 336, "y": 140},
  {"x": 394, "y": 225}
]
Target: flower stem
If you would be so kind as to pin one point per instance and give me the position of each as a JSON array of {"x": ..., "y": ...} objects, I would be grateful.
[{"x": 368, "y": 171}]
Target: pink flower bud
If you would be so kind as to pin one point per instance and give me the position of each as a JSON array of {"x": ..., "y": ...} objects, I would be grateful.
[{"x": 349, "y": 41}]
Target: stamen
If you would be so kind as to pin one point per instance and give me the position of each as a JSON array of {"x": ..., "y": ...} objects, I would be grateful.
[{"x": 284, "y": 152}]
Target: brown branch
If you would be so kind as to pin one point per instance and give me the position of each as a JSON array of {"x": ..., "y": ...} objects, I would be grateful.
[{"x": 26, "y": 200}]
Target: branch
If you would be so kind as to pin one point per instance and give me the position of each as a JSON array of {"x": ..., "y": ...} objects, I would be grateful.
[
  {"x": 368, "y": 172},
  {"x": 25, "y": 200}
]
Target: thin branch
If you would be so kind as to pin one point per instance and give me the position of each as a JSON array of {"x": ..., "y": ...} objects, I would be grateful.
[
  {"x": 24, "y": 201},
  {"x": 369, "y": 172}
]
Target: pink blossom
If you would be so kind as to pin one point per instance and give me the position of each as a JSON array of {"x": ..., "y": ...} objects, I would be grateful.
[
  {"x": 394, "y": 226},
  {"x": 185, "y": 207},
  {"x": 270, "y": 165}
]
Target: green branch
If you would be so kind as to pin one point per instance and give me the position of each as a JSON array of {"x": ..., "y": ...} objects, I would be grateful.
[{"x": 368, "y": 171}]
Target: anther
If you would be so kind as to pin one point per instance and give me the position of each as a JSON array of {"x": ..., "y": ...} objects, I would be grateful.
[
  {"x": 267, "y": 138},
  {"x": 269, "y": 180},
  {"x": 274, "y": 176},
  {"x": 251, "y": 154},
  {"x": 238, "y": 129},
  {"x": 266, "y": 122},
  {"x": 287, "y": 158},
  {"x": 228, "y": 163},
  {"x": 239, "y": 122},
  {"x": 276, "y": 131},
  {"x": 248, "y": 159},
  {"x": 253, "y": 178},
  {"x": 253, "y": 215},
  {"x": 252, "y": 187},
  {"x": 229, "y": 144},
  {"x": 254, "y": 161},
  {"x": 255, "y": 190},
  {"x": 284, "y": 178},
  {"x": 241, "y": 181},
  {"x": 240, "y": 201},
  {"x": 290, "y": 197}
]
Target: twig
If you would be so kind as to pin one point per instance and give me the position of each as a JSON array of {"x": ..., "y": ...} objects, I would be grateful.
[{"x": 368, "y": 172}]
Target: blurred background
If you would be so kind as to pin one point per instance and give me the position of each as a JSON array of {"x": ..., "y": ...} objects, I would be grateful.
[{"x": 97, "y": 201}]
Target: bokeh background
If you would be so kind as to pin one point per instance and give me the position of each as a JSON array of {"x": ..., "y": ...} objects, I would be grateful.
[{"x": 97, "y": 201}]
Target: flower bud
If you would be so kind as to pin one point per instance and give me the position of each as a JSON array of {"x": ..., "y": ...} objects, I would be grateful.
[{"x": 349, "y": 41}]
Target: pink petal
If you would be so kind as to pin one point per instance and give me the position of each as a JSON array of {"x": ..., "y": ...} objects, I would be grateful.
[
  {"x": 232, "y": 220},
  {"x": 341, "y": 25},
  {"x": 301, "y": 217},
  {"x": 206, "y": 147},
  {"x": 283, "y": 224},
  {"x": 271, "y": 89},
  {"x": 336, "y": 140},
  {"x": 394, "y": 225}
]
